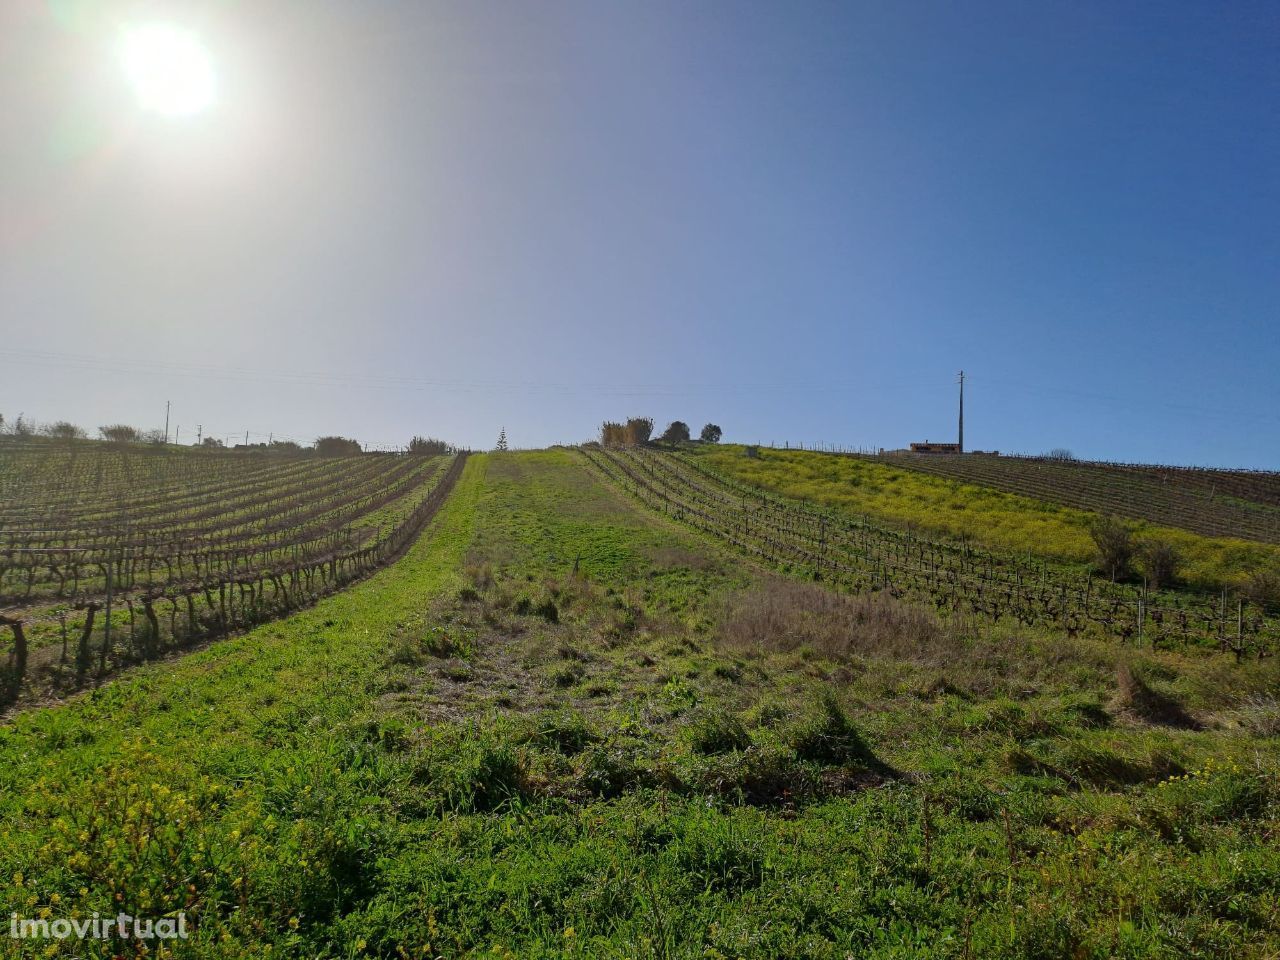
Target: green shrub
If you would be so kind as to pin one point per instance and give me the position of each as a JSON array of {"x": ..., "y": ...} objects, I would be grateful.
[{"x": 1113, "y": 540}]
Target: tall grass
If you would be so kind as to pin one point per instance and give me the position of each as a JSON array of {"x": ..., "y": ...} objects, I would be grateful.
[{"x": 780, "y": 616}]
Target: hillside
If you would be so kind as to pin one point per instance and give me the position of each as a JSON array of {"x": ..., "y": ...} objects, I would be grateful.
[
  {"x": 570, "y": 721},
  {"x": 1241, "y": 505},
  {"x": 900, "y": 494}
]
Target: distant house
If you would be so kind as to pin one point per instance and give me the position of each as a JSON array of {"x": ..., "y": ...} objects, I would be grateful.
[{"x": 928, "y": 447}]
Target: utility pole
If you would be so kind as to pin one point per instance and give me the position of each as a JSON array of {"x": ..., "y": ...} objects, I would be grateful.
[
  {"x": 961, "y": 381},
  {"x": 199, "y": 433},
  {"x": 177, "y": 435},
  {"x": 166, "y": 421}
]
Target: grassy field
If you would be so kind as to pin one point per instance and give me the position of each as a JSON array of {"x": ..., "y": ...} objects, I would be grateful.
[
  {"x": 564, "y": 726},
  {"x": 994, "y": 518}
]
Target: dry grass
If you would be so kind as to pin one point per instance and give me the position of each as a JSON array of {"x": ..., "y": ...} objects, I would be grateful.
[
  {"x": 781, "y": 616},
  {"x": 674, "y": 558},
  {"x": 1259, "y": 715}
]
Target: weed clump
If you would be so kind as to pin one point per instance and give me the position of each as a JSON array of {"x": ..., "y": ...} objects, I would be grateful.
[
  {"x": 728, "y": 671},
  {"x": 827, "y": 735},
  {"x": 607, "y": 771},
  {"x": 409, "y": 649},
  {"x": 568, "y": 674},
  {"x": 770, "y": 712},
  {"x": 566, "y": 732},
  {"x": 405, "y": 651},
  {"x": 765, "y": 774},
  {"x": 1135, "y": 697},
  {"x": 390, "y": 733},
  {"x": 712, "y": 731},
  {"x": 475, "y": 775},
  {"x": 546, "y": 609},
  {"x": 965, "y": 799}
]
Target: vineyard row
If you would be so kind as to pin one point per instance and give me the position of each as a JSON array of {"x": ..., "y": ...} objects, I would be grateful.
[
  {"x": 859, "y": 555},
  {"x": 123, "y": 626}
]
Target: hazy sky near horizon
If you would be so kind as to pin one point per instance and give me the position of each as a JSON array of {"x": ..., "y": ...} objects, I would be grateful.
[{"x": 798, "y": 220}]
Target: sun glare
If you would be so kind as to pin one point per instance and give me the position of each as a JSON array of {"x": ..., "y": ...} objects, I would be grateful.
[{"x": 168, "y": 68}]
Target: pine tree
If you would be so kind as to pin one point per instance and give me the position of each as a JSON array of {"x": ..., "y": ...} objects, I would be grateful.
[{"x": 502, "y": 439}]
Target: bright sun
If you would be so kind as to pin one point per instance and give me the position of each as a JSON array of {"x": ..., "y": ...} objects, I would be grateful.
[{"x": 168, "y": 68}]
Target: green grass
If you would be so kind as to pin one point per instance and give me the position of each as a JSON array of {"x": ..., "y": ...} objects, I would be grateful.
[
  {"x": 950, "y": 508},
  {"x": 434, "y": 764}
]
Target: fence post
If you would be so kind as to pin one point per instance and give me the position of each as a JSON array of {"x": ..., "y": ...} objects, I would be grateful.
[
  {"x": 106, "y": 627},
  {"x": 1239, "y": 626}
]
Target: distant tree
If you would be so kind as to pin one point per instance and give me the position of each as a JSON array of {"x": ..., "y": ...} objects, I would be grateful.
[
  {"x": 427, "y": 447},
  {"x": 63, "y": 430},
  {"x": 638, "y": 431},
  {"x": 634, "y": 433},
  {"x": 285, "y": 446},
  {"x": 1160, "y": 561},
  {"x": 676, "y": 432},
  {"x": 22, "y": 427},
  {"x": 211, "y": 443},
  {"x": 153, "y": 436},
  {"x": 1059, "y": 453},
  {"x": 120, "y": 433},
  {"x": 1114, "y": 542},
  {"x": 710, "y": 434},
  {"x": 337, "y": 447},
  {"x": 502, "y": 440},
  {"x": 613, "y": 434}
]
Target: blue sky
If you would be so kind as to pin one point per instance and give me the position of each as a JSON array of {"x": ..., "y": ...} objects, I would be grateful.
[{"x": 796, "y": 220}]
